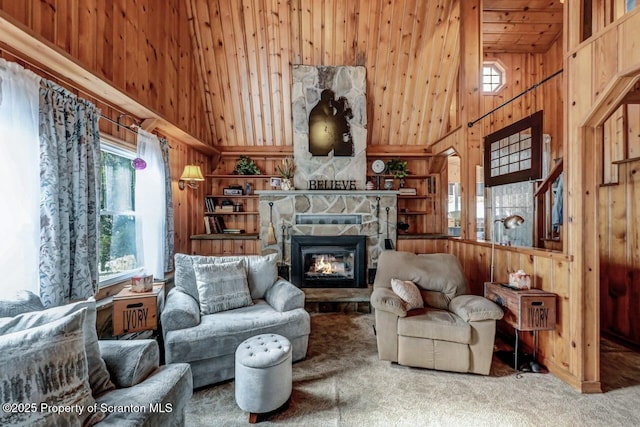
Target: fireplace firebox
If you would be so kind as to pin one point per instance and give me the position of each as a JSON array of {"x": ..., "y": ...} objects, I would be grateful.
[{"x": 328, "y": 261}]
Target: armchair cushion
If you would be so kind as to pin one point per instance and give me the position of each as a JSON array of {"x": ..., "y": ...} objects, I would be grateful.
[
  {"x": 180, "y": 311},
  {"x": 262, "y": 272},
  {"x": 430, "y": 272},
  {"x": 408, "y": 292},
  {"x": 435, "y": 324},
  {"x": 222, "y": 286},
  {"x": 435, "y": 299},
  {"x": 386, "y": 300},
  {"x": 130, "y": 361},
  {"x": 219, "y": 334},
  {"x": 284, "y": 296},
  {"x": 473, "y": 308}
]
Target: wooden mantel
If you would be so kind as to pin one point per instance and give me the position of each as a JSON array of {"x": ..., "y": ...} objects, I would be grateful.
[{"x": 24, "y": 43}]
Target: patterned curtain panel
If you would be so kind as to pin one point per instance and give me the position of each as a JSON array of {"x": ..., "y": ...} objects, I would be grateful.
[
  {"x": 69, "y": 196},
  {"x": 168, "y": 243}
]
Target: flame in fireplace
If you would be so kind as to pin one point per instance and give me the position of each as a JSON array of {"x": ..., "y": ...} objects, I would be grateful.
[{"x": 322, "y": 266}]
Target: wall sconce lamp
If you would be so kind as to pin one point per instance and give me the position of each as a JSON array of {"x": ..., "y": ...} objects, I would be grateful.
[
  {"x": 190, "y": 176},
  {"x": 509, "y": 223}
]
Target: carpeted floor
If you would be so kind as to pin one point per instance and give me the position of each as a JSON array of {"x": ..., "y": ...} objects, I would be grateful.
[{"x": 342, "y": 383}]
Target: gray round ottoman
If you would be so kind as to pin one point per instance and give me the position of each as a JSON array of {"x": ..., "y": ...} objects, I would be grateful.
[{"x": 263, "y": 374}]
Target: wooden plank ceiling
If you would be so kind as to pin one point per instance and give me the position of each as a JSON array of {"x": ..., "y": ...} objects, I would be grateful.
[
  {"x": 410, "y": 49},
  {"x": 521, "y": 26}
]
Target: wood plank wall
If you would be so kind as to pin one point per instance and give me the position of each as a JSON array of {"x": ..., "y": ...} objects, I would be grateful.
[
  {"x": 619, "y": 226},
  {"x": 523, "y": 70},
  {"x": 142, "y": 47},
  {"x": 410, "y": 49},
  {"x": 599, "y": 72},
  {"x": 122, "y": 42}
]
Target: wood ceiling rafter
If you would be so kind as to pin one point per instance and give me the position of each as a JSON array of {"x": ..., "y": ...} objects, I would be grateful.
[{"x": 521, "y": 26}]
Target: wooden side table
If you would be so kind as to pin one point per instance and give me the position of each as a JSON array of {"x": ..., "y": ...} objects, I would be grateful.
[
  {"x": 137, "y": 311},
  {"x": 524, "y": 310}
]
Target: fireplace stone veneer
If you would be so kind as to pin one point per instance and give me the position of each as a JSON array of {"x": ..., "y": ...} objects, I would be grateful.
[{"x": 371, "y": 223}]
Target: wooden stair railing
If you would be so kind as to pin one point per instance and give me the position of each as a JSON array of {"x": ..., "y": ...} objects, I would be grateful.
[{"x": 543, "y": 231}]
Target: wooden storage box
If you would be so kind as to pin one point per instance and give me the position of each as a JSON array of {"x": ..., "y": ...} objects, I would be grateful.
[
  {"x": 526, "y": 309},
  {"x": 136, "y": 311}
]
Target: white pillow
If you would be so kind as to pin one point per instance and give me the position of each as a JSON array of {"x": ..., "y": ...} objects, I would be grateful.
[
  {"x": 222, "y": 286},
  {"x": 99, "y": 378},
  {"x": 46, "y": 365},
  {"x": 408, "y": 292}
]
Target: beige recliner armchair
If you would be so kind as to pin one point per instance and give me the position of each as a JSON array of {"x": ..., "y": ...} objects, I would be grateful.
[{"x": 454, "y": 332}]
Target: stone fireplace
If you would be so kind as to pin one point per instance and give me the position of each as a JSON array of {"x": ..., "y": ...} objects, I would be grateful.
[
  {"x": 328, "y": 261},
  {"x": 338, "y": 207},
  {"x": 327, "y": 213}
]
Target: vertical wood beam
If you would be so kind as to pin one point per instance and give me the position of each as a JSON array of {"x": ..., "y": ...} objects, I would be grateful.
[{"x": 470, "y": 66}]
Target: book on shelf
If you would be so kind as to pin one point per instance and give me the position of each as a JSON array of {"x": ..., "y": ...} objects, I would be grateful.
[
  {"x": 219, "y": 224},
  {"x": 408, "y": 191},
  {"x": 224, "y": 208},
  {"x": 210, "y": 203},
  {"x": 214, "y": 224},
  {"x": 233, "y": 231}
]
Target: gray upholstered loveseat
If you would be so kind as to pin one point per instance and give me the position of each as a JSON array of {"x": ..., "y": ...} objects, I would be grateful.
[
  {"x": 453, "y": 332},
  {"x": 54, "y": 356},
  {"x": 208, "y": 342}
]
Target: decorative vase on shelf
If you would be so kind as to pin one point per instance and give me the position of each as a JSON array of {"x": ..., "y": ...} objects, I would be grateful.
[
  {"x": 248, "y": 189},
  {"x": 286, "y": 184},
  {"x": 388, "y": 184}
]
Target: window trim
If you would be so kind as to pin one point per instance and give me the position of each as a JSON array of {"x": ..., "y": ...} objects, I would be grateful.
[
  {"x": 496, "y": 65},
  {"x": 113, "y": 146},
  {"x": 533, "y": 122}
]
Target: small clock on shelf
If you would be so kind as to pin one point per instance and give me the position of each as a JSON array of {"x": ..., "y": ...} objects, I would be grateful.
[{"x": 378, "y": 166}]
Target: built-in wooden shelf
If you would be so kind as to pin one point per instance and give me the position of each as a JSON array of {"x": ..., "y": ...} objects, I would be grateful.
[
  {"x": 226, "y": 236},
  {"x": 227, "y": 196},
  {"x": 232, "y": 213},
  {"x": 231, "y": 176},
  {"x": 406, "y": 177}
]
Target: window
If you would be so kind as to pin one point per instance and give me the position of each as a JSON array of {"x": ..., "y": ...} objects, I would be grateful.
[
  {"x": 118, "y": 236},
  {"x": 513, "y": 153},
  {"x": 492, "y": 77}
]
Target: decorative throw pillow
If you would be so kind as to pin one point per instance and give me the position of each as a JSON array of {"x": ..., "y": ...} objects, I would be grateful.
[
  {"x": 98, "y": 375},
  {"x": 46, "y": 366},
  {"x": 408, "y": 292},
  {"x": 21, "y": 301},
  {"x": 222, "y": 287},
  {"x": 262, "y": 271}
]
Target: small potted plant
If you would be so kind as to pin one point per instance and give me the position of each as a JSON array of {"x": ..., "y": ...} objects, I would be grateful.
[
  {"x": 397, "y": 168},
  {"x": 246, "y": 166},
  {"x": 286, "y": 171}
]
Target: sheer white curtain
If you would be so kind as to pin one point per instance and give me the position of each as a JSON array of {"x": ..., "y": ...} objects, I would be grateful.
[
  {"x": 19, "y": 179},
  {"x": 150, "y": 204}
]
